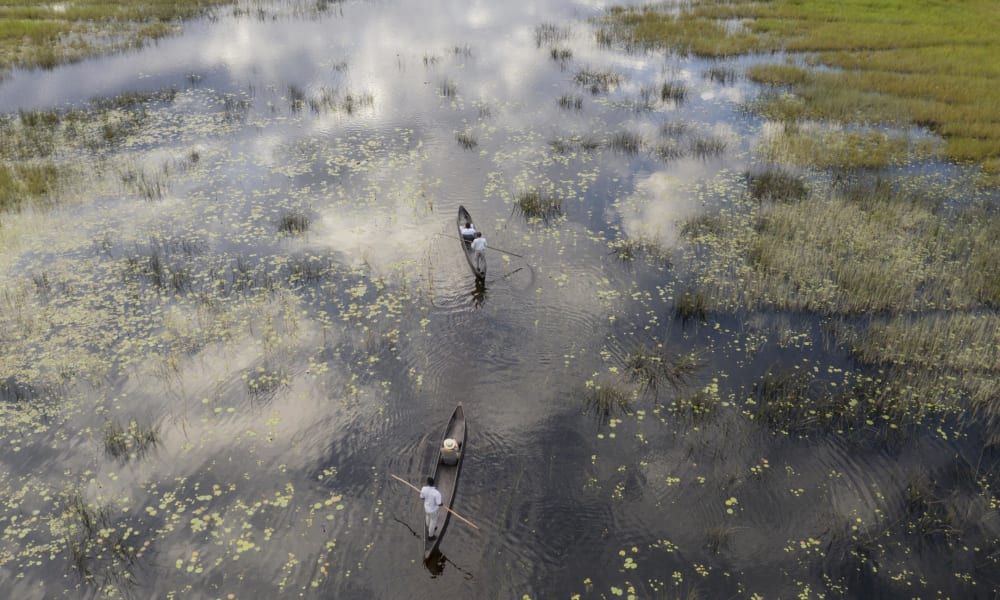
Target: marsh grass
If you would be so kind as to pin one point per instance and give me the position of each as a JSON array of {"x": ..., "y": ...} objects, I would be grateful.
[
  {"x": 561, "y": 56},
  {"x": 549, "y": 34},
  {"x": 535, "y": 204},
  {"x": 598, "y": 82},
  {"x": 673, "y": 91},
  {"x": 294, "y": 223},
  {"x": 28, "y": 184},
  {"x": 835, "y": 148},
  {"x": 921, "y": 64},
  {"x": 607, "y": 401},
  {"x": 263, "y": 384},
  {"x": 99, "y": 547},
  {"x": 721, "y": 74},
  {"x": 570, "y": 102},
  {"x": 309, "y": 268},
  {"x": 148, "y": 186},
  {"x": 652, "y": 368},
  {"x": 691, "y": 303},
  {"x": 867, "y": 248},
  {"x": 719, "y": 538},
  {"x": 776, "y": 185},
  {"x": 629, "y": 249},
  {"x": 132, "y": 442},
  {"x": 626, "y": 142},
  {"x": 466, "y": 140},
  {"x": 296, "y": 98},
  {"x": 706, "y": 147},
  {"x": 448, "y": 88},
  {"x": 669, "y": 150},
  {"x": 568, "y": 146}
]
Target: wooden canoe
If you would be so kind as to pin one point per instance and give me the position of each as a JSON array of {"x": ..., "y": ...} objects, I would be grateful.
[
  {"x": 479, "y": 270},
  {"x": 446, "y": 477}
]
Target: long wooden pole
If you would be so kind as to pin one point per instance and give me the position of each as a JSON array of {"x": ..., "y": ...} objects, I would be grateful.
[
  {"x": 488, "y": 247},
  {"x": 417, "y": 490}
]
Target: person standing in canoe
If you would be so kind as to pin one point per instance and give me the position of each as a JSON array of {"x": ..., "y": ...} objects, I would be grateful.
[
  {"x": 432, "y": 502},
  {"x": 479, "y": 247},
  {"x": 468, "y": 232}
]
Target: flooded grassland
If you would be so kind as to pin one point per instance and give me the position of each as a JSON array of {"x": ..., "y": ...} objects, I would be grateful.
[{"x": 721, "y": 351}]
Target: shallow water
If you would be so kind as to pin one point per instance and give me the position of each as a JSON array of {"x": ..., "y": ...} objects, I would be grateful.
[{"x": 289, "y": 375}]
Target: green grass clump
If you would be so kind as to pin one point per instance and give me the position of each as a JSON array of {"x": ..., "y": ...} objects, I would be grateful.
[
  {"x": 536, "y": 204},
  {"x": 608, "y": 401},
  {"x": 652, "y": 368},
  {"x": 29, "y": 183}
]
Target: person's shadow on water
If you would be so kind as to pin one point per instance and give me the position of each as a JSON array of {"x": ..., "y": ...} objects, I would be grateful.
[{"x": 479, "y": 294}]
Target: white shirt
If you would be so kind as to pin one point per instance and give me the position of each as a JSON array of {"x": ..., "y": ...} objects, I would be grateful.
[
  {"x": 479, "y": 244},
  {"x": 469, "y": 231},
  {"x": 432, "y": 498}
]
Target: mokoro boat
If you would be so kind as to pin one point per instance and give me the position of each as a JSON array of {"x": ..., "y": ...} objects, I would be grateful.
[
  {"x": 479, "y": 270},
  {"x": 446, "y": 477}
]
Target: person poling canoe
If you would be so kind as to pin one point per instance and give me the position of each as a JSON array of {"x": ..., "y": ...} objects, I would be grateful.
[{"x": 469, "y": 235}]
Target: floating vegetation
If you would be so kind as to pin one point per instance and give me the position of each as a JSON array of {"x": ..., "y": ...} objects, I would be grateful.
[
  {"x": 533, "y": 203},
  {"x": 263, "y": 384},
  {"x": 466, "y": 140},
  {"x": 598, "y": 82},
  {"x": 132, "y": 442}
]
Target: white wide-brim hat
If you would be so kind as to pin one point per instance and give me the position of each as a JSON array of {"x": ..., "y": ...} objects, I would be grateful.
[{"x": 450, "y": 444}]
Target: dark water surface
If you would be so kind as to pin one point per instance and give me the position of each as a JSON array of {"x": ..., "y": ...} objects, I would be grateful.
[{"x": 288, "y": 375}]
